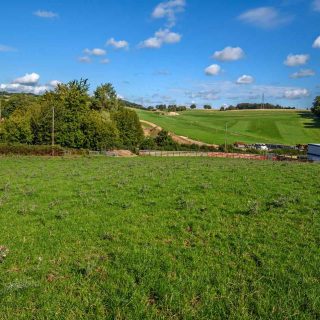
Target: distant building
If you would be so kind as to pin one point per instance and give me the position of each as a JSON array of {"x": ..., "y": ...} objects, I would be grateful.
[
  {"x": 314, "y": 152},
  {"x": 261, "y": 147},
  {"x": 240, "y": 145}
]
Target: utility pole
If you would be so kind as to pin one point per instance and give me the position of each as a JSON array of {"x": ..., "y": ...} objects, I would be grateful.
[
  {"x": 262, "y": 101},
  {"x": 52, "y": 131},
  {"x": 225, "y": 137}
]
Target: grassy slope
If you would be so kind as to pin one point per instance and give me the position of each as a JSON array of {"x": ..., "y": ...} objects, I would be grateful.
[
  {"x": 274, "y": 126},
  {"x": 118, "y": 239}
]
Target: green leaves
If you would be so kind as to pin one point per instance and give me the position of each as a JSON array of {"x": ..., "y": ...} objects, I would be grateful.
[
  {"x": 316, "y": 106},
  {"x": 80, "y": 121}
]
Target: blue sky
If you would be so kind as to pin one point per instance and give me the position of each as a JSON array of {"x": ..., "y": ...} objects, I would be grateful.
[{"x": 175, "y": 51}]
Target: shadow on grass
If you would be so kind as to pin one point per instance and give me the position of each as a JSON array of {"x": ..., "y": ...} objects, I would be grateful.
[{"x": 314, "y": 124}]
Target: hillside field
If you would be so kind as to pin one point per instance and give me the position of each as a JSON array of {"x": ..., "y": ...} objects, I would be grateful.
[
  {"x": 158, "y": 238},
  {"x": 250, "y": 126}
]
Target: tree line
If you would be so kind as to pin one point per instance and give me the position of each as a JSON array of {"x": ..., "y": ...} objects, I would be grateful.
[
  {"x": 95, "y": 122},
  {"x": 253, "y": 106}
]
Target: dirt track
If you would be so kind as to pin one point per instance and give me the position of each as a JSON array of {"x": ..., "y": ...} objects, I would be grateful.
[{"x": 155, "y": 129}]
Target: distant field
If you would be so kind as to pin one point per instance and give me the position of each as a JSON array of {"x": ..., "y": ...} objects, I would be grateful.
[
  {"x": 151, "y": 238},
  {"x": 273, "y": 126}
]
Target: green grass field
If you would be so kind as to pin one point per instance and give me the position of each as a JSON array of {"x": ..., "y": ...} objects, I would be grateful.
[
  {"x": 273, "y": 126},
  {"x": 159, "y": 238}
]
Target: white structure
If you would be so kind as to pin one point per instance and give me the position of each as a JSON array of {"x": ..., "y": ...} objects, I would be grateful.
[{"x": 314, "y": 152}]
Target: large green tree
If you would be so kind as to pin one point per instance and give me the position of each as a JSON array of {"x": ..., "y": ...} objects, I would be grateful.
[
  {"x": 129, "y": 126},
  {"x": 70, "y": 103},
  {"x": 316, "y": 106},
  {"x": 105, "y": 98},
  {"x": 100, "y": 133},
  {"x": 78, "y": 120}
]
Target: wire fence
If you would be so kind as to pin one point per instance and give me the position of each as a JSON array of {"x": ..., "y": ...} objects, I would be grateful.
[{"x": 204, "y": 154}]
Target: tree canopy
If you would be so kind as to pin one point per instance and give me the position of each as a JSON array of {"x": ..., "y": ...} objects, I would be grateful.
[
  {"x": 95, "y": 122},
  {"x": 316, "y": 106}
]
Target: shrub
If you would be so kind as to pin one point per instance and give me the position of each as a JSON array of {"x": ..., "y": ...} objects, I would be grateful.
[{"x": 23, "y": 149}]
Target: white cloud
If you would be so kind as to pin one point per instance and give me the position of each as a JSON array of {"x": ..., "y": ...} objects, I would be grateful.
[
  {"x": 119, "y": 96},
  {"x": 316, "y": 5},
  {"x": 46, "y": 14},
  {"x": 303, "y": 74},
  {"x": 296, "y": 93},
  {"x": 4, "y": 48},
  {"x": 229, "y": 54},
  {"x": 213, "y": 70},
  {"x": 17, "y": 87},
  {"x": 168, "y": 10},
  {"x": 203, "y": 94},
  {"x": 294, "y": 60},
  {"x": 161, "y": 37},
  {"x": 265, "y": 17},
  {"x": 245, "y": 79},
  {"x": 54, "y": 83},
  {"x": 232, "y": 91},
  {"x": 316, "y": 43},
  {"x": 28, "y": 84},
  {"x": 84, "y": 59},
  {"x": 105, "y": 61},
  {"x": 95, "y": 52},
  {"x": 121, "y": 44},
  {"x": 28, "y": 79}
]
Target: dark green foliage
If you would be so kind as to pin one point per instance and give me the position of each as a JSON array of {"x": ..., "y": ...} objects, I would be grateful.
[
  {"x": 251, "y": 106},
  {"x": 316, "y": 106},
  {"x": 17, "y": 127},
  {"x": 28, "y": 150},
  {"x": 100, "y": 134},
  {"x": 71, "y": 104},
  {"x": 193, "y": 106},
  {"x": 80, "y": 121},
  {"x": 207, "y": 107},
  {"x": 148, "y": 143},
  {"x": 133, "y": 105},
  {"x": 15, "y": 102},
  {"x": 129, "y": 127},
  {"x": 163, "y": 139}
]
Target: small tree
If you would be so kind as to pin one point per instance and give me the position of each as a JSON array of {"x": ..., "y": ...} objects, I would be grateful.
[
  {"x": 207, "y": 107},
  {"x": 193, "y": 106},
  {"x": 164, "y": 140}
]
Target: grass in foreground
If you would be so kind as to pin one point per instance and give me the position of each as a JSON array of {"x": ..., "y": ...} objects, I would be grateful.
[
  {"x": 153, "y": 238},
  {"x": 253, "y": 126}
]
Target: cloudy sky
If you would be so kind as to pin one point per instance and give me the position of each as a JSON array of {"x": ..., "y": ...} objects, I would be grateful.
[{"x": 176, "y": 51}]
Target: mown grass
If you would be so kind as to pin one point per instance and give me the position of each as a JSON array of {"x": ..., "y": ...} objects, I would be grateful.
[
  {"x": 153, "y": 238},
  {"x": 253, "y": 126}
]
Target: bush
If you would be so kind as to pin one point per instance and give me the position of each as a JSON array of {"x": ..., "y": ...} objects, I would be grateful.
[
  {"x": 17, "y": 128},
  {"x": 148, "y": 144},
  {"x": 23, "y": 149},
  {"x": 99, "y": 133},
  {"x": 129, "y": 127}
]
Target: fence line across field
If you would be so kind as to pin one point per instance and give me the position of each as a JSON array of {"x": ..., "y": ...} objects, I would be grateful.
[{"x": 203, "y": 154}]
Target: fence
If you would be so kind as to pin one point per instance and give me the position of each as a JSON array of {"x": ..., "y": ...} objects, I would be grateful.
[{"x": 204, "y": 154}]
